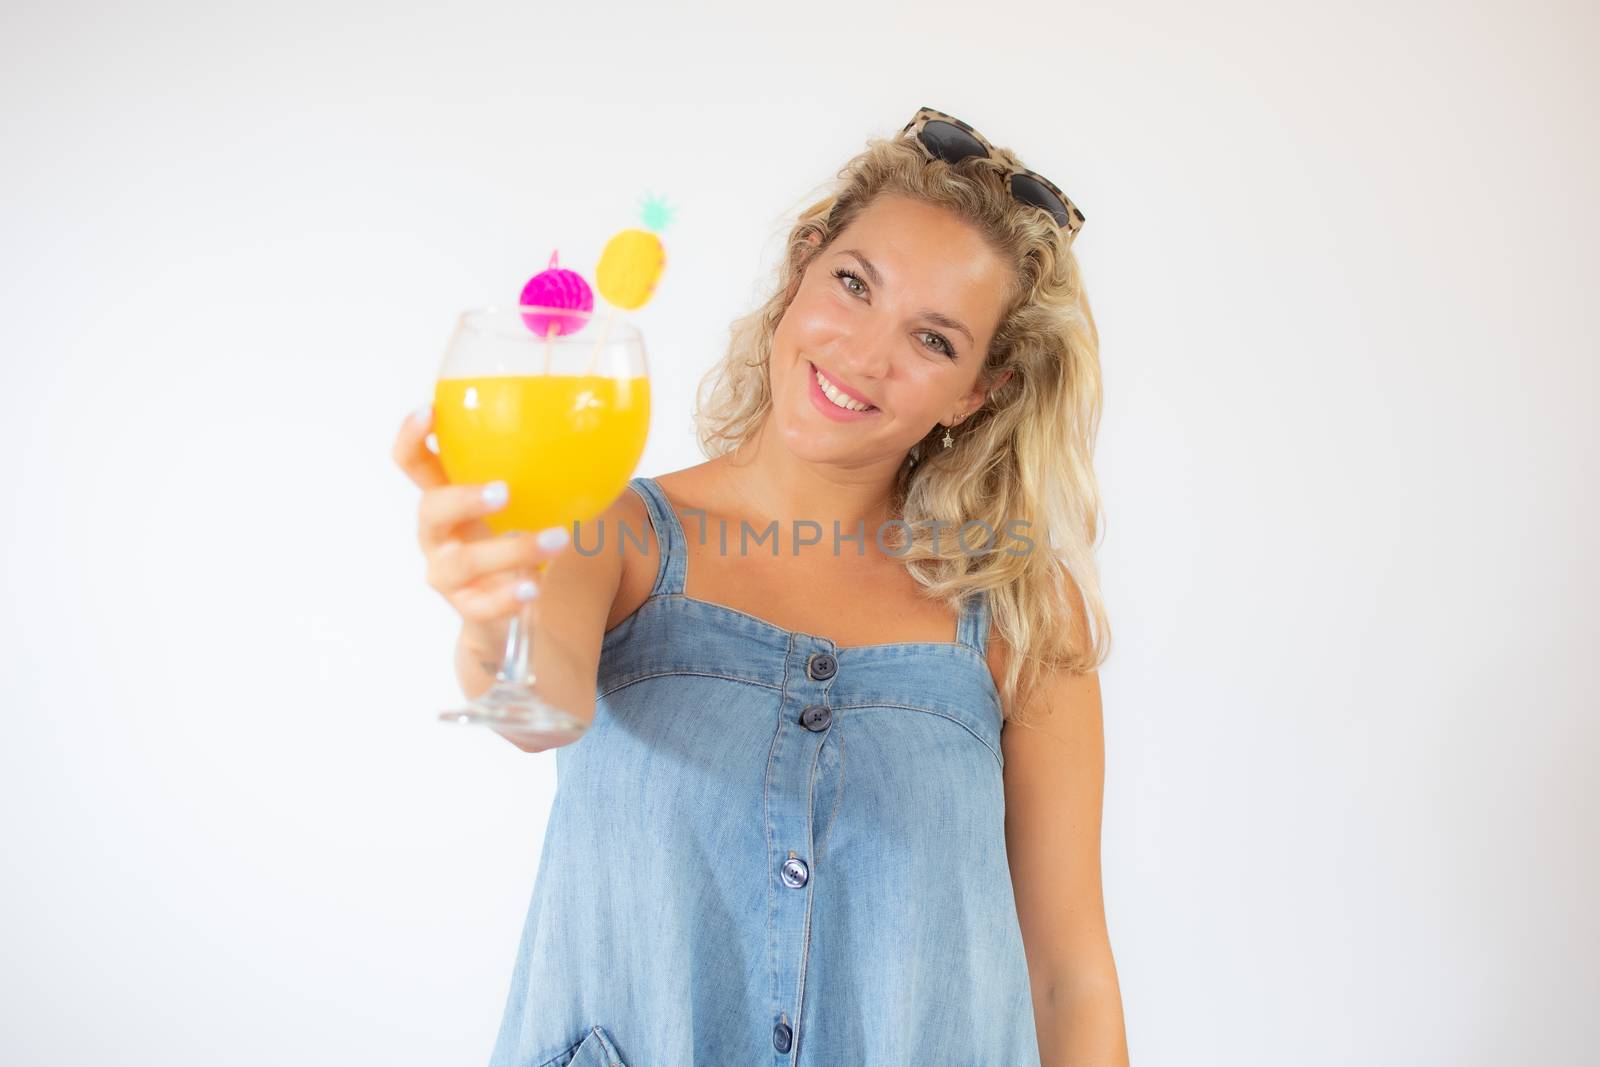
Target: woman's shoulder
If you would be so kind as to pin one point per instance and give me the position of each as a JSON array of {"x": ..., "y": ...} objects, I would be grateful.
[
  {"x": 639, "y": 548},
  {"x": 694, "y": 486},
  {"x": 627, "y": 531}
]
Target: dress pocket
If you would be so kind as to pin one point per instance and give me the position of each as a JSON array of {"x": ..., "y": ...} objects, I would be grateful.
[{"x": 595, "y": 1050}]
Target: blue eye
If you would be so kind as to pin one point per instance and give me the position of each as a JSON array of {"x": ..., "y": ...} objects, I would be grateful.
[{"x": 941, "y": 345}]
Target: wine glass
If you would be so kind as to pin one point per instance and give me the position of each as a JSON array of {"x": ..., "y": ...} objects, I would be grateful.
[{"x": 562, "y": 419}]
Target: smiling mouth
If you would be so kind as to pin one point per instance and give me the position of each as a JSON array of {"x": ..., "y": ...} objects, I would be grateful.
[{"x": 824, "y": 384}]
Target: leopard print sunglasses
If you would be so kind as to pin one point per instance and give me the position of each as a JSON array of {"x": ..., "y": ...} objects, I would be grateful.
[{"x": 948, "y": 138}]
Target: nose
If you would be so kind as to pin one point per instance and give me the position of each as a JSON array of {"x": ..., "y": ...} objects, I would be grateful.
[{"x": 867, "y": 358}]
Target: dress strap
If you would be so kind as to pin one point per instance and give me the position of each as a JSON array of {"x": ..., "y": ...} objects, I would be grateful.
[
  {"x": 974, "y": 628},
  {"x": 670, "y": 543}
]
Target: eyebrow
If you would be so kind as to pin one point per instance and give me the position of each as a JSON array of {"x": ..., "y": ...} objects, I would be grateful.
[{"x": 934, "y": 317}]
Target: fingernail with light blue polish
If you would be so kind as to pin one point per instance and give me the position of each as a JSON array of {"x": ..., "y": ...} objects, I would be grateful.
[
  {"x": 527, "y": 589},
  {"x": 553, "y": 538},
  {"x": 495, "y": 495}
]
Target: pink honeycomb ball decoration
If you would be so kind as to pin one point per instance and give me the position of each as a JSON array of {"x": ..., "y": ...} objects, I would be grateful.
[{"x": 556, "y": 287}]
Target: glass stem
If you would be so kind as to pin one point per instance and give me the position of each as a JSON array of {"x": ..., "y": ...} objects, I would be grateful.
[{"x": 515, "y": 667}]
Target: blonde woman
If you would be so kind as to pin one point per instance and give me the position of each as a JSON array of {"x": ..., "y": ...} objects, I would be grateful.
[{"x": 840, "y": 800}]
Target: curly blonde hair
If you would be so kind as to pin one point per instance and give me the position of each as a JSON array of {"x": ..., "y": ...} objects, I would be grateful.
[{"x": 1026, "y": 454}]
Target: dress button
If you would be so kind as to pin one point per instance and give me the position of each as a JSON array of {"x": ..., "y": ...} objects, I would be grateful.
[
  {"x": 794, "y": 873},
  {"x": 822, "y": 667},
  {"x": 781, "y": 1036},
  {"x": 816, "y": 717}
]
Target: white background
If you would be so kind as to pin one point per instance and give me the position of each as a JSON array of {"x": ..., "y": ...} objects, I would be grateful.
[{"x": 1343, "y": 263}]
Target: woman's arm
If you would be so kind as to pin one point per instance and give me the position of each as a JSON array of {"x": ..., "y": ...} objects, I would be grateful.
[
  {"x": 576, "y": 597},
  {"x": 1054, "y": 782},
  {"x": 1054, "y": 775}
]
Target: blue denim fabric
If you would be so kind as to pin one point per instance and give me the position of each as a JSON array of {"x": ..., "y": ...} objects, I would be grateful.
[{"x": 662, "y": 929}]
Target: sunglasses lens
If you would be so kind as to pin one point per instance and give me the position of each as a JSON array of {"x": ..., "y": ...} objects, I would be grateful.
[
  {"x": 950, "y": 143},
  {"x": 1030, "y": 191}
]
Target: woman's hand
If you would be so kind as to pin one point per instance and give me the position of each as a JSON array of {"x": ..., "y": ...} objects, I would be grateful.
[{"x": 475, "y": 570}]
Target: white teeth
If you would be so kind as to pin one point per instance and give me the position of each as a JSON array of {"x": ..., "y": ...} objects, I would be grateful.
[{"x": 839, "y": 399}]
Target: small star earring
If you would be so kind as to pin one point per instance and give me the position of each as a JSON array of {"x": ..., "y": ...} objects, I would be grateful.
[{"x": 947, "y": 440}]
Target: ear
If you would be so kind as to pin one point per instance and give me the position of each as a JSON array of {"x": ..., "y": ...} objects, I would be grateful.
[{"x": 982, "y": 392}]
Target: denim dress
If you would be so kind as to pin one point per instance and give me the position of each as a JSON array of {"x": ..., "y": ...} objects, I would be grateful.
[{"x": 769, "y": 849}]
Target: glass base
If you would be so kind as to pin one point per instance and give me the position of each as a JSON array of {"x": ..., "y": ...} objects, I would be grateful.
[{"x": 516, "y": 709}]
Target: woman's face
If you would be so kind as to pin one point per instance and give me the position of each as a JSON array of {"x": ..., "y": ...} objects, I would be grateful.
[{"x": 897, "y": 311}]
